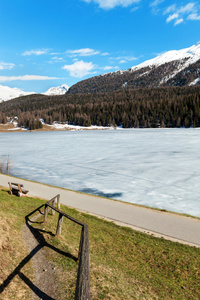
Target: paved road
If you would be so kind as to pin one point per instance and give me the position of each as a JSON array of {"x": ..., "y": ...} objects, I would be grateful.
[{"x": 170, "y": 226}]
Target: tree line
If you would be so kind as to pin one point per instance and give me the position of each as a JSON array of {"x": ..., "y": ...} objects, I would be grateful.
[{"x": 137, "y": 108}]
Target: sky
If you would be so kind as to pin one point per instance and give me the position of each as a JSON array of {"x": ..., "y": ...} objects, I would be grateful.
[{"x": 45, "y": 44}]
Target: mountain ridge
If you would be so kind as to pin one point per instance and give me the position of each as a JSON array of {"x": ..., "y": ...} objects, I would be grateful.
[
  {"x": 59, "y": 90},
  {"x": 172, "y": 68},
  {"x": 7, "y": 93}
]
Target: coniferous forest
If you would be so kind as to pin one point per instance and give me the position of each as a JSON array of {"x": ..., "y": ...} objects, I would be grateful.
[{"x": 129, "y": 108}]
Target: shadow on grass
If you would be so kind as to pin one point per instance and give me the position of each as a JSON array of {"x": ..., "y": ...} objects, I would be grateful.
[{"x": 37, "y": 233}]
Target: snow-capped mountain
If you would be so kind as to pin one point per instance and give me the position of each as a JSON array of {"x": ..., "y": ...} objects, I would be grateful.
[
  {"x": 7, "y": 93},
  {"x": 59, "y": 90},
  {"x": 186, "y": 57},
  {"x": 172, "y": 68}
]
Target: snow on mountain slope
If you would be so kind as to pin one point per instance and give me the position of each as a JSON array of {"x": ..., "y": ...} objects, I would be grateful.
[
  {"x": 194, "y": 82},
  {"x": 190, "y": 55},
  {"x": 59, "y": 90},
  {"x": 7, "y": 93}
]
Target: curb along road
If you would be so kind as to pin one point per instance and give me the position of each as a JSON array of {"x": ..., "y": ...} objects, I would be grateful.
[{"x": 163, "y": 224}]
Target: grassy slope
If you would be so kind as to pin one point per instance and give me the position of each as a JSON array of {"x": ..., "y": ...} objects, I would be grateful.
[
  {"x": 125, "y": 264},
  {"x": 12, "y": 247}
]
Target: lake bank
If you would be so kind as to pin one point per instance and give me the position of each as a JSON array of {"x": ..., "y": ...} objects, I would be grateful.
[
  {"x": 161, "y": 224},
  {"x": 10, "y": 127}
]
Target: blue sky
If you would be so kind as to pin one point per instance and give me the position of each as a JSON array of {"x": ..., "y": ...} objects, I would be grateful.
[{"x": 49, "y": 43}]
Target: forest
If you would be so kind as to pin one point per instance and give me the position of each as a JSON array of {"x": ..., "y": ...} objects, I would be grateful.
[{"x": 129, "y": 108}]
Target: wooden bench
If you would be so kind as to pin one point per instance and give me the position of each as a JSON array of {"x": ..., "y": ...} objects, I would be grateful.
[{"x": 17, "y": 189}]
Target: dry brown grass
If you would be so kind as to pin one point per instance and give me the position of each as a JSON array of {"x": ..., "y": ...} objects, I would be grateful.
[
  {"x": 13, "y": 250},
  {"x": 8, "y": 128}
]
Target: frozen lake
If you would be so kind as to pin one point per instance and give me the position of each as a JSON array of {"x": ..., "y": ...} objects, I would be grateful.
[{"x": 153, "y": 167}]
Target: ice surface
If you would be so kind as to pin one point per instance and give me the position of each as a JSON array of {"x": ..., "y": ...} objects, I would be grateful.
[{"x": 154, "y": 167}]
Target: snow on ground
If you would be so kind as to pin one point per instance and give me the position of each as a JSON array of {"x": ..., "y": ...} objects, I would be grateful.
[{"x": 59, "y": 126}]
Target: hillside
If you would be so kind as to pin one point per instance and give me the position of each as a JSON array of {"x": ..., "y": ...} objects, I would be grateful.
[
  {"x": 173, "y": 68},
  {"x": 150, "y": 267},
  {"x": 141, "y": 108},
  {"x": 161, "y": 92}
]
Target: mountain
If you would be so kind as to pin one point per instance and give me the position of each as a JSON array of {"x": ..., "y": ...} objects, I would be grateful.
[
  {"x": 172, "y": 68},
  {"x": 59, "y": 90},
  {"x": 7, "y": 93}
]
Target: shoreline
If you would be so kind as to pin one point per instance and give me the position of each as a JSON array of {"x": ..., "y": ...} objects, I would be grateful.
[
  {"x": 65, "y": 127},
  {"x": 47, "y": 128},
  {"x": 162, "y": 224}
]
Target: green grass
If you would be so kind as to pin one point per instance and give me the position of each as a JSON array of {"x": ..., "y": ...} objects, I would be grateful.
[{"x": 124, "y": 264}]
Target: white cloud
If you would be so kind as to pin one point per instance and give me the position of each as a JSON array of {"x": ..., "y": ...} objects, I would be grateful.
[
  {"x": 170, "y": 9},
  {"x": 194, "y": 17},
  {"x": 109, "y": 4},
  {"x": 154, "y": 6},
  {"x": 80, "y": 68},
  {"x": 25, "y": 78},
  {"x": 156, "y": 2},
  {"x": 82, "y": 52},
  {"x": 187, "y": 8},
  {"x": 172, "y": 17},
  {"x": 56, "y": 58},
  {"x": 105, "y": 54},
  {"x": 55, "y": 53},
  {"x": 122, "y": 61},
  {"x": 179, "y": 21},
  {"x": 35, "y": 52},
  {"x": 6, "y": 66},
  {"x": 135, "y": 9},
  {"x": 107, "y": 68},
  {"x": 181, "y": 13},
  {"x": 126, "y": 58}
]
